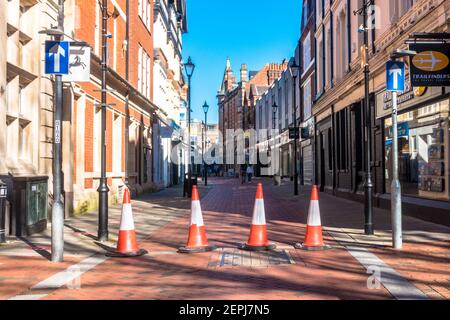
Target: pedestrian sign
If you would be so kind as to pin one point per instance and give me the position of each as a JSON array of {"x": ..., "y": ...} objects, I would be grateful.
[
  {"x": 395, "y": 76},
  {"x": 56, "y": 57}
]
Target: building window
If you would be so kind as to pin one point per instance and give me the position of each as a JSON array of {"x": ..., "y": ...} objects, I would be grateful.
[
  {"x": 117, "y": 144},
  {"x": 320, "y": 66},
  {"x": 306, "y": 47},
  {"x": 328, "y": 57},
  {"x": 144, "y": 72},
  {"x": 307, "y": 101},
  {"x": 286, "y": 104},
  {"x": 423, "y": 157},
  {"x": 97, "y": 136},
  {"x": 144, "y": 10},
  {"x": 342, "y": 140},
  {"x": 341, "y": 48},
  {"x": 280, "y": 107}
]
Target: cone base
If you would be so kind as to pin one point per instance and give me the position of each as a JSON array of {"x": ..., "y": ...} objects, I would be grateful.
[
  {"x": 246, "y": 246},
  {"x": 196, "y": 250},
  {"x": 116, "y": 254},
  {"x": 311, "y": 248}
]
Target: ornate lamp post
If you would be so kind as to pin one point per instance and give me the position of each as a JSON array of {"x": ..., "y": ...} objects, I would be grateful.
[
  {"x": 189, "y": 68},
  {"x": 274, "y": 114},
  {"x": 205, "y": 110},
  {"x": 294, "y": 70},
  {"x": 368, "y": 184}
]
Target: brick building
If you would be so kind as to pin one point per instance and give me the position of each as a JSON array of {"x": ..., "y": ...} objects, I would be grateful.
[
  {"x": 130, "y": 111},
  {"x": 340, "y": 115},
  {"x": 27, "y": 104},
  {"x": 236, "y": 105}
]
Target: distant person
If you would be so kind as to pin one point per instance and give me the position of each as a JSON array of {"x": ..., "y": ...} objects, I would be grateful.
[
  {"x": 249, "y": 173},
  {"x": 243, "y": 173}
]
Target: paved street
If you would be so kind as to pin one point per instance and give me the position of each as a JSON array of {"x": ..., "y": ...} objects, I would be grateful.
[{"x": 420, "y": 270}]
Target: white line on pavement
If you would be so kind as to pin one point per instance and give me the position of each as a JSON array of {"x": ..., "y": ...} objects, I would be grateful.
[
  {"x": 64, "y": 277},
  {"x": 393, "y": 281},
  {"x": 28, "y": 297}
]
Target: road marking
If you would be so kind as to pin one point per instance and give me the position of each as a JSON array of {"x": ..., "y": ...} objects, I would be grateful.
[
  {"x": 64, "y": 277},
  {"x": 28, "y": 297},
  {"x": 393, "y": 281}
]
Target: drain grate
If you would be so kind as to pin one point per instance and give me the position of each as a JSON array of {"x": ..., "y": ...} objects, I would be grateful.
[{"x": 236, "y": 257}]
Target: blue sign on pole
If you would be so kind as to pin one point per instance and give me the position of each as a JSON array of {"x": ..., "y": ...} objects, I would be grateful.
[
  {"x": 56, "y": 57},
  {"x": 395, "y": 76}
]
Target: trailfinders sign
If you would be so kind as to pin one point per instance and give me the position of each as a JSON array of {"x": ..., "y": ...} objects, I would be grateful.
[{"x": 430, "y": 67}]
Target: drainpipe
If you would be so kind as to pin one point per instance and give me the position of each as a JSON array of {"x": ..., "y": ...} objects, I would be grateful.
[
  {"x": 127, "y": 110},
  {"x": 349, "y": 38},
  {"x": 331, "y": 50}
]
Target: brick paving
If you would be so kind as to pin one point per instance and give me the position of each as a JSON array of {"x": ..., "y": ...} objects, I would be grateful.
[{"x": 162, "y": 221}]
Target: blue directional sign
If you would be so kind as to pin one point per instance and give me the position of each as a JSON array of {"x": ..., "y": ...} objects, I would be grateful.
[
  {"x": 395, "y": 76},
  {"x": 56, "y": 57}
]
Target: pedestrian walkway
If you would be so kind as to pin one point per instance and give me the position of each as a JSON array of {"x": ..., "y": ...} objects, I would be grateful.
[{"x": 420, "y": 270}]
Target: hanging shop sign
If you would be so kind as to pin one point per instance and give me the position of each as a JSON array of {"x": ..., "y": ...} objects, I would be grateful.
[{"x": 430, "y": 67}]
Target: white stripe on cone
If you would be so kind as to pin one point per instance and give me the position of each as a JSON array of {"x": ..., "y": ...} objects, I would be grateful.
[
  {"x": 126, "y": 221},
  {"x": 314, "y": 214},
  {"x": 196, "y": 213},
  {"x": 259, "y": 216}
]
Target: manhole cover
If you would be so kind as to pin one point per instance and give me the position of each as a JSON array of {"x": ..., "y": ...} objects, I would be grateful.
[{"x": 236, "y": 257}]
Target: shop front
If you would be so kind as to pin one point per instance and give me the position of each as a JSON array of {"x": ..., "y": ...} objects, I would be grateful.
[
  {"x": 424, "y": 152},
  {"x": 307, "y": 152}
]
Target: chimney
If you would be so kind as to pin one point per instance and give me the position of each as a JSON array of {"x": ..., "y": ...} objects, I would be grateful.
[{"x": 244, "y": 77}]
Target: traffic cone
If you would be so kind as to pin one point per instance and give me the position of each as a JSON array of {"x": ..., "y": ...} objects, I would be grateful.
[
  {"x": 197, "y": 241},
  {"x": 313, "y": 237},
  {"x": 257, "y": 240},
  {"x": 127, "y": 244}
]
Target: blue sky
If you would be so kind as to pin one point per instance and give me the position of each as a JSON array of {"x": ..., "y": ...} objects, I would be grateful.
[{"x": 254, "y": 32}]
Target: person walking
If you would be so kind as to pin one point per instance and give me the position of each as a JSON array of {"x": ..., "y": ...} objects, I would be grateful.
[
  {"x": 243, "y": 173},
  {"x": 249, "y": 172}
]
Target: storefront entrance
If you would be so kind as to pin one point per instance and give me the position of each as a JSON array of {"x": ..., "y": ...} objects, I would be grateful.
[{"x": 423, "y": 137}]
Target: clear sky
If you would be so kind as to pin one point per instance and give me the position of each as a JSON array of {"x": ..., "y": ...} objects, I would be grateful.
[{"x": 254, "y": 32}]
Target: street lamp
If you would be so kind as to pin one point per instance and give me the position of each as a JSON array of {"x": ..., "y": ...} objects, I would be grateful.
[
  {"x": 189, "y": 68},
  {"x": 368, "y": 185},
  {"x": 274, "y": 114},
  {"x": 396, "y": 194},
  {"x": 103, "y": 188},
  {"x": 205, "y": 110},
  {"x": 294, "y": 70}
]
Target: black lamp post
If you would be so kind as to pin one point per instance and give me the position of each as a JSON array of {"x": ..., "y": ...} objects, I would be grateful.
[
  {"x": 189, "y": 68},
  {"x": 103, "y": 188},
  {"x": 294, "y": 70},
  {"x": 368, "y": 184},
  {"x": 274, "y": 114},
  {"x": 205, "y": 110}
]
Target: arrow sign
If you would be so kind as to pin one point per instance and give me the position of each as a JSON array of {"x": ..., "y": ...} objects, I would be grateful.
[
  {"x": 395, "y": 76},
  {"x": 56, "y": 52},
  {"x": 56, "y": 57}
]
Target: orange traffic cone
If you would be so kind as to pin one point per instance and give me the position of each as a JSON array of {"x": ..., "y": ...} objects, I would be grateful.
[
  {"x": 127, "y": 244},
  {"x": 197, "y": 241},
  {"x": 313, "y": 237},
  {"x": 257, "y": 240}
]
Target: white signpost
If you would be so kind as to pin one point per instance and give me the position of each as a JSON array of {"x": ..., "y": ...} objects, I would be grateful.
[{"x": 395, "y": 82}]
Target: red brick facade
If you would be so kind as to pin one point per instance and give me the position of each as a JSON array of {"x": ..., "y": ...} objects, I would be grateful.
[{"x": 85, "y": 116}]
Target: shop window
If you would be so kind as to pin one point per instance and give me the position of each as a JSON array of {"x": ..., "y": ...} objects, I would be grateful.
[
  {"x": 342, "y": 140},
  {"x": 423, "y": 156},
  {"x": 330, "y": 149}
]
